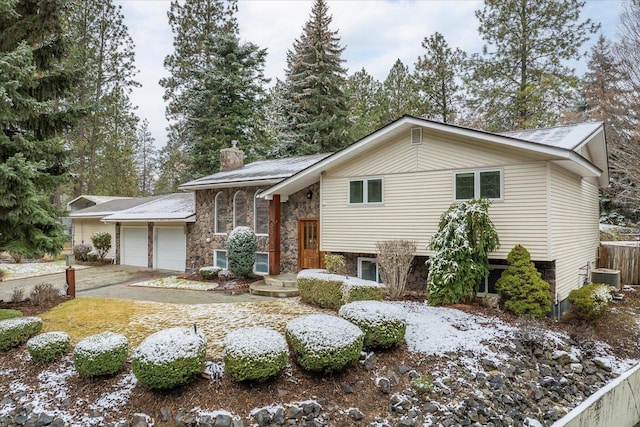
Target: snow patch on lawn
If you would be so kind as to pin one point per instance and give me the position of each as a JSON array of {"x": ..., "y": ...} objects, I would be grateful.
[
  {"x": 34, "y": 269},
  {"x": 174, "y": 282}
]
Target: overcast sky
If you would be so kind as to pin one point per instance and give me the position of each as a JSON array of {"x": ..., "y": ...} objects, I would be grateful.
[{"x": 374, "y": 32}]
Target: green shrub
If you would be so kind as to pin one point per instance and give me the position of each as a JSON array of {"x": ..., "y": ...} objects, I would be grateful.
[
  {"x": 241, "y": 251},
  {"x": 324, "y": 290},
  {"x": 169, "y": 358},
  {"x": 254, "y": 354},
  {"x": 48, "y": 346},
  {"x": 422, "y": 383},
  {"x": 590, "y": 302},
  {"x": 521, "y": 287},
  {"x": 209, "y": 272},
  {"x": 81, "y": 251},
  {"x": 100, "y": 355},
  {"x": 361, "y": 290},
  {"x": 383, "y": 324},
  {"x": 335, "y": 264},
  {"x": 323, "y": 343},
  {"x": 102, "y": 243},
  {"x": 18, "y": 330},
  {"x": 9, "y": 314}
]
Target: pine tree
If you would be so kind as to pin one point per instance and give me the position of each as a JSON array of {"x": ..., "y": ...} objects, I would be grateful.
[
  {"x": 34, "y": 109},
  {"x": 438, "y": 74},
  {"x": 521, "y": 80},
  {"x": 146, "y": 160},
  {"x": 315, "y": 77},
  {"x": 398, "y": 95},
  {"x": 362, "y": 92}
]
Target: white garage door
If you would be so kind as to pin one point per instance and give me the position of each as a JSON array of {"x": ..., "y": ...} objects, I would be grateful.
[
  {"x": 170, "y": 252},
  {"x": 133, "y": 246}
]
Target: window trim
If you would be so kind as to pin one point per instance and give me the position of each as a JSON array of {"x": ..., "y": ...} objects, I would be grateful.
[
  {"x": 365, "y": 191},
  {"x": 215, "y": 257},
  {"x": 476, "y": 183},
  {"x": 247, "y": 200},
  {"x": 261, "y": 273},
  {"x": 485, "y": 280},
  {"x": 372, "y": 260},
  {"x": 216, "y": 203},
  {"x": 255, "y": 214}
]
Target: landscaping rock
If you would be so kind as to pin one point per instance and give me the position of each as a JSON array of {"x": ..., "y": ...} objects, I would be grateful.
[
  {"x": 355, "y": 414},
  {"x": 384, "y": 385}
]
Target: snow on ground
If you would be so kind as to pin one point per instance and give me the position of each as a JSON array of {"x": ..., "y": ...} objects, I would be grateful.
[
  {"x": 174, "y": 282},
  {"x": 33, "y": 269}
]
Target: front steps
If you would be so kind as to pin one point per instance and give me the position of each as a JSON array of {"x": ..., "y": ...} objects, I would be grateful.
[{"x": 280, "y": 286}]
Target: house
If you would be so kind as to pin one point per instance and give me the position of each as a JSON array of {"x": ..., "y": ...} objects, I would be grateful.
[{"x": 395, "y": 184}]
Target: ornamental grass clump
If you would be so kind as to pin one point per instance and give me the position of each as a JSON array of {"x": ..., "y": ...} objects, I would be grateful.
[
  {"x": 99, "y": 355},
  {"x": 48, "y": 346},
  {"x": 169, "y": 358},
  {"x": 241, "y": 251},
  {"x": 18, "y": 330},
  {"x": 592, "y": 301},
  {"x": 254, "y": 354},
  {"x": 383, "y": 324},
  {"x": 323, "y": 343}
]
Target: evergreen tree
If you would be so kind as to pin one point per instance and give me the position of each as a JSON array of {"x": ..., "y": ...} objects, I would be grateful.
[
  {"x": 362, "y": 92},
  {"x": 146, "y": 160},
  {"x": 438, "y": 74},
  {"x": 279, "y": 138},
  {"x": 398, "y": 95},
  {"x": 318, "y": 120},
  {"x": 34, "y": 109},
  {"x": 521, "y": 80}
]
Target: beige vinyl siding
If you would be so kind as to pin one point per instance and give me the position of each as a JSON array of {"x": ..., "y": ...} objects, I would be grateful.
[
  {"x": 574, "y": 227},
  {"x": 84, "y": 228}
]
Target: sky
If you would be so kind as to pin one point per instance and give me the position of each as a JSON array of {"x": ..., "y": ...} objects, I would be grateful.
[{"x": 374, "y": 32}]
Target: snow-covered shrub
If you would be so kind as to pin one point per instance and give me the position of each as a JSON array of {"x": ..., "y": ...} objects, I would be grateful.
[
  {"x": 361, "y": 290},
  {"x": 102, "y": 243},
  {"x": 169, "y": 358},
  {"x": 521, "y": 287},
  {"x": 323, "y": 343},
  {"x": 81, "y": 251},
  {"x": 335, "y": 264},
  {"x": 464, "y": 239},
  {"x": 18, "y": 330},
  {"x": 591, "y": 301},
  {"x": 9, "y": 313},
  {"x": 209, "y": 272},
  {"x": 101, "y": 354},
  {"x": 383, "y": 324},
  {"x": 319, "y": 288},
  {"x": 48, "y": 346},
  {"x": 241, "y": 251},
  {"x": 395, "y": 258},
  {"x": 254, "y": 354}
]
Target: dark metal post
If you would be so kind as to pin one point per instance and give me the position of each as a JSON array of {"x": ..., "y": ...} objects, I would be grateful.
[{"x": 71, "y": 282}]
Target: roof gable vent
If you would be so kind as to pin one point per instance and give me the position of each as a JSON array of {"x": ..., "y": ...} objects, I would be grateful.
[{"x": 416, "y": 136}]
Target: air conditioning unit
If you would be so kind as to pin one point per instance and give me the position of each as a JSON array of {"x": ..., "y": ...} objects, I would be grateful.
[{"x": 607, "y": 276}]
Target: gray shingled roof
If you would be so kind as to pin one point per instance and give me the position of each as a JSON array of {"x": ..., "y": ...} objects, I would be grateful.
[
  {"x": 268, "y": 171},
  {"x": 172, "y": 207},
  {"x": 568, "y": 137},
  {"x": 112, "y": 206}
]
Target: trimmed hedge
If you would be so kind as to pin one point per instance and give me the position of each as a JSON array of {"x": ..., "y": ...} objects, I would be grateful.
[
  {"x": 592, "y": 301},
  {"x": 48, "y": 346},
  {"x": 9, "y": 314},
  {"x": 319, "y": 288},
  {"x": 254, "y": 354},
  {"x": 169, "y": 358},
  {"x": 383, "y": 324},
  {"x": 323, "y": 343},
  {"x": 18, "y": 330},
  {"x": 100, "y": 355},
  {"x": 209, "y": 272}
]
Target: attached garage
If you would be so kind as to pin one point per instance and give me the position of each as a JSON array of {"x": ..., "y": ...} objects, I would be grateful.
[
  {"x": 170, "y": 248},
  {"x": 133, "y": 246}
]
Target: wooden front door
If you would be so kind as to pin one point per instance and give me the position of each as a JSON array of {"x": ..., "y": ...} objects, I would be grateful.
[{"x": 308, "y": 243}]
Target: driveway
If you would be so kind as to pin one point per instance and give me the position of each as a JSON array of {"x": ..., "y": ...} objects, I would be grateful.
[{"x": 111, "y": 281}]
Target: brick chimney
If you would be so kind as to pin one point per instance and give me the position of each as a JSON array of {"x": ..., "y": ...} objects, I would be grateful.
[{"x": 231, "y": 158}]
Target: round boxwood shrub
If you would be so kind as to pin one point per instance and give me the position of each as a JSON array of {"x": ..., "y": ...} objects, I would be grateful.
[
  {"x": 18, "y": 330},
  {"x": 383, "y": 324},
  {"x": 254, "y": 354},
  {"x": 48, "y": 346},
  {"x": 169, "y": 358},
  {"x": 324, "y": 343},
  {"x": 592, "y": 301},
  {"x": 241, "y": 251},
  {"x": 209, "y": 272},
  {"x": 100, "y": 355}
]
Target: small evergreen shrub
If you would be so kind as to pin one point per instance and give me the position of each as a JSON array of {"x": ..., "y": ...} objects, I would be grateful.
[
  {"x": 49, "y": 346},
  {"x": 254, "y": 354},
  {"x": 361, "y": 290},
  {"x": 81, "y": 251},
  {"x": 383, "y": 324},
  {"x": 324, "y": 290},
  {"x": 102, "y": 243},
  {"x": 335, "y": 264},
  {"x": 209, "y": 272},
  {"x": 422, "y": 383},
  {"x": 100, "y": 355},
  {"x": 9, "y": 314},
  {"x": 43, "y": 293},
  {"x": 169, "y": 358},
  {"x": 521, "y": 287},
  {"x": 93, "y": 257},
  {"x": 323, "y": 343},
  {"x": 591, "y": 302},
  {"x": 18, "y": 330},
  {"x": 241, "y": 251}
]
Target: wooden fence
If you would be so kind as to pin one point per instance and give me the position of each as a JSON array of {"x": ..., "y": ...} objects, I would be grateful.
[{"x": 625, "y": 258}]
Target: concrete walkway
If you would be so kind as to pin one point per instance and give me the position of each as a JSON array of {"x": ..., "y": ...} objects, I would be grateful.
[{"x": 112, "y": 281}]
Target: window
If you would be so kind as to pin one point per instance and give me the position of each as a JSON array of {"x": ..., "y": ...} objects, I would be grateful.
[
  {"x": 241, "y": 209},
  {"x": 261, "y": 215},
  {"x": 368, "y": 269},
  {"x": 478, "y": 184},
  {"x": 262, "y": 263},
  {"x": 220, "y": 259},
  {"x": 488, "y": 284},
  {"x": 365, "y": 191},
  {"x": 220, "y": 214}
]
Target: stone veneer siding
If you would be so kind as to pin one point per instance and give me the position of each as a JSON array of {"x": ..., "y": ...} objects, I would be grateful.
[{"x": 297, "y": 207}]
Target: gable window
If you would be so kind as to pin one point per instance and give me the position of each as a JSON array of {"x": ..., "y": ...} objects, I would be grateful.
[
  {"x": 261, "y": 215},
  {"x": 478, "y": 184},
  {"x": 365, "y": 191},
  {"x": 220, "y": 214},
  {"x": 220, "y": 259},
  {"x": 241, "y": 209},
  {"x": 368, "y": 269}
]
